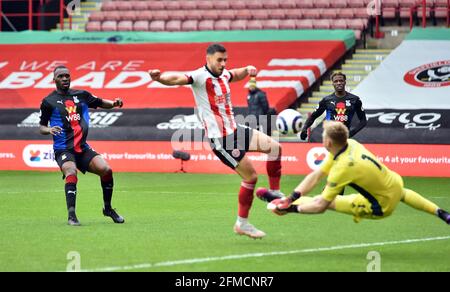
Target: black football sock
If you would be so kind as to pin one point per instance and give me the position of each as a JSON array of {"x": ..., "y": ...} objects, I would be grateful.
[
  {"x": 71, "y": 193},
  {"x": 107, "y": 182}
]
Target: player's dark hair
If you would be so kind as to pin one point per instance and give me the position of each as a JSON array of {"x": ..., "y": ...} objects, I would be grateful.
[
  {"x": 214, "y": 48},
  {"x": 338, "y": 74},
  {"x": 59, "y": 67}
]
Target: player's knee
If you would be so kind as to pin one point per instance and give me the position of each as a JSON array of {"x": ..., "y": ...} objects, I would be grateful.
[
  {"x": 252, "y": 178},
  {"x": 106, "y": 171}
]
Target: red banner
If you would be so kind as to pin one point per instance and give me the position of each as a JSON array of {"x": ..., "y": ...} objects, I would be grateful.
[
  {"x": 114, "y": 70},
  {"x": 298, "y": 158}
]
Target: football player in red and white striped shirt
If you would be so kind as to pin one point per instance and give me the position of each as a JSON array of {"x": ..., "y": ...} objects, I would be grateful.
[{"x": 229, "y": 141}]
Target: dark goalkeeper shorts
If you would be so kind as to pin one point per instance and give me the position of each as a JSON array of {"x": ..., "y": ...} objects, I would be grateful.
[
  {"x": 81, "y": 160},
  {"x": 232, "y": 148}
]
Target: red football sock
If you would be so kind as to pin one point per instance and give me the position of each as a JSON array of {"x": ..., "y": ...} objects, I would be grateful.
[
  {"x": 273, "y": 167},
  {"x": 246, "y": 198}
]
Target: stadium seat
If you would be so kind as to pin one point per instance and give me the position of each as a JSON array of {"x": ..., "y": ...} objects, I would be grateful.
[
  {"x": 206, "y": 25},
  {"x": 288, "y": 4},
  {"x": 123, "y": 5},
  {"x": 112, "y": 15},
  {"x": 294, "y": 13},
  {"x": 260, "y": 14},
  {"x": 222, "y": 24},
  {"x": 312, "y": 13},
  {"x": 172, "y": 5},
  {"x": 390, "y": 3},
  {"x": 160, "y": 15},
  {"x": 157, "y": 25},
  {"x": 271, "y": 24},
  {"x": 189, "y": 25},
  {"x": 188, "y": 5},
  {"x": 254, "y": 24},
  {"x": 338, "y": 4},
  {"x": 389, "y": 12},
  {"x": 358, "y": 34},
  {"x": 441, "y": 12},
  {"x": 322, "y": 3},
  {"x": 305, "y": 3},
  {"x": 109, "y": 25},
  {"x": 94, "y": 26},
  {"x": 253, "y": 4},
  {"x": 210, "y": 14},
  {"x": 193, "y": 14},
  {"x": 173, "y": 25},
  {"x": 360, "y": 12},
  {"x": 140, "y": 25},
  {"x": 109, "y": 6},
  {"x": 238, "y": 4},
  {"x": 440, "y": 3},
  {"x": 304, "y": 24},
  {"x": 329, "y": 13},
  {"x": 96, "y": 16},
  {"x": 144, "y": 15},
  {"x": 155, "y": 5},
  {"x": 322, "y": 24},
  {"x": 125, "y": 25},
  {"x": 355, "y": 24},
  {"x": 244, "y": 14},
  {"x": 355, "y": 3},
  {"x": 176, "y": 15},
  {"x": 239, "y": 24},
  {"x": 128, "y": 15},
  {"x": 345, "y": 13},
  {"x": 339, "y": 24},
  {"x": 271, "y": 4},
  {"x": 287, "y": 24},
  {"x": 221, "y": 5},
  {"x": 205, "y": 5},
  {"x": 277, "y": 14}
]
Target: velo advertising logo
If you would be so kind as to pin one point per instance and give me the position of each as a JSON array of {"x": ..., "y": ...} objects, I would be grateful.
[
  {"x": 315, "y": 157},
  {"x": 39, "y": 156},
  {"x": 436, "y": 74}
]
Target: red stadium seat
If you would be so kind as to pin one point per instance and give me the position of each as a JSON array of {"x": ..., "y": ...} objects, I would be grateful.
[
  {"x": 358, "y": 34},
  {"x": 329, "y": 14},
  {"x": 239, "y": 25},
  {"x": 140, "y": 25},
  {"x": 288, "y": 4},
  {"x": 345, "y": 13},
  {"x": 360, "y": 12},
  {"x": 304, "y": 3},
  {"x": 125, "y": 25},
  {"x": 176, "y": 15},
  {"x": 94, "y": 26},
  {"x": 109, "y": 25},
  {"x": 389, "y": 12},
  {"x": 123, "y": 5},
  {"x": 206, "y": 25},
  {"x": 312, "y": 13},
  {"x": 441, "y": 12},
  {"x": 271, "y": 24},
  {"x": 138, "y": 5},
  {"x": 210, "y": 14},
  {"x": 339, "y": 24},
  {"x": 222, "y": 24},
  {"x": 160, "y": 15},
  {"x": 238, "y": 4},
  {"x": 355, "y": 24},
  {"x": 109, "y": 6},
  {"x": 111, "y": 15},
  {"x": 254, "y": 24},
  {"x": 260, "y": 14},
  {"x": 287, "y": 24},
  {"x": 155, "y": 5},
  {"x": 322, "y": 3},
  {"x": 271, "y": 4},
  {"x": 253, "y": 4},
  {"x": 172, "y": 5},
  {"x": 189, "y": 25},
  {"x": 277, "y": 14},
  {"x": 244, "y": 14},
  {"x": 157, "y": 25},
  {"x": 193, "y": 14},
  {"x": 204, "y": 4},
  {"x": 128, "y": 15},
  {"x": 221, "y": 5},
  {"x": 294, "y": 13},
  {"x": 390, "y": 3},
  {"x": 173, "y": 25},
  {"x": 304, "y": 24},
  {"x": 144, "y": 15},
  {"x": 338, "y": 4},
  {"x": 321, "y": 24},
  {"x": 355, "y": 3},
  {"x": 188, "y": 5},
  {"x": 96, "y": 16},
  {"x": 440, "y": 3}
]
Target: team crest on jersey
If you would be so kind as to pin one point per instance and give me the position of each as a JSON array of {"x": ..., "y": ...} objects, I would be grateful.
[
  {"x": 348, "y": 103},
  {"x": 75, "y": 99},
  {"x": 235, "y": 153},
  {"x": 436, "y": 74}
]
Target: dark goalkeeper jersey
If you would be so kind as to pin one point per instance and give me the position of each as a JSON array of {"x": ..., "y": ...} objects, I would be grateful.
[{"x": 70, "y": 112}]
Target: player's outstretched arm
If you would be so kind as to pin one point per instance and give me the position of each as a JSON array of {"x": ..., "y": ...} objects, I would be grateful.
[
  {"x": 168, "y": 78},
  {"x": 241, "y": 73},
  {"x": 108, "y": 104}
]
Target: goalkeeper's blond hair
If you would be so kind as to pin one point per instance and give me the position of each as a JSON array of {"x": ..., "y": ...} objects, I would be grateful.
[{"x": 337, "y": 132}]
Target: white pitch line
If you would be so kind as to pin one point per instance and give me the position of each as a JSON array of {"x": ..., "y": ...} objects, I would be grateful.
[{"x": 262, "y": 254}]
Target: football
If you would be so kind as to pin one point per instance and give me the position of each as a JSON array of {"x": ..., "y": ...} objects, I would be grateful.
[{"x": 289, "y": 121}]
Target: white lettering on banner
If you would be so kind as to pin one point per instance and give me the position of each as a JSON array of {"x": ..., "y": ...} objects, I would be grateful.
[
  {"x": 414, "y": 160},
  {"x": 7, "y": 156},
  {"x": 17, "y": 80},
  {"x": 32, "y": 66},
  {"x": 119, "y": 80},
  {"x": 419, "y": 121},
  {"x": 111, "y": 65},
  {"x": 3, "y": 64},
  {"x": 87, "y": 66},
  {"x": 133, "y": 65},
  {"x": 47, "y": 82}
]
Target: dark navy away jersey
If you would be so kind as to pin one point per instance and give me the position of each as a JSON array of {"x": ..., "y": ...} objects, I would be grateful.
[{"x": 70, "y": 112}]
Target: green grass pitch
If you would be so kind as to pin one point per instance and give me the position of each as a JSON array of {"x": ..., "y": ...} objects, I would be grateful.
[{"x": 183, "y": 222}]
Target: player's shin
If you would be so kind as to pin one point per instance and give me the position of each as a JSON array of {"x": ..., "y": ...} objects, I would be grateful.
[
  {"x": 246, "y": 198},
  {"x": 418, "y": 202},
  {"x": 273, "y": 167}
]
